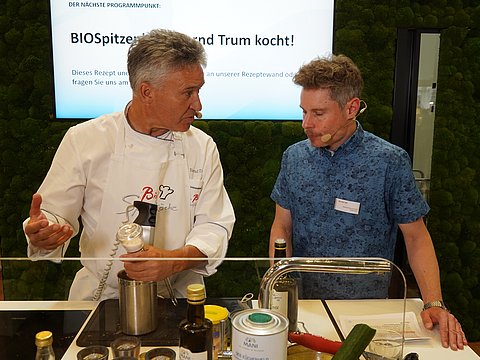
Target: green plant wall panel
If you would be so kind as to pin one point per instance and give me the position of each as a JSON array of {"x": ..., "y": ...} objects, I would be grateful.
[{"x": 251, "y": 151}]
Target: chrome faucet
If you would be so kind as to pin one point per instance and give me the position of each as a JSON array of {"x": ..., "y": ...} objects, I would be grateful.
[
  {"x": 325, "y": 265},
  {"x": 328, "y": 265}
]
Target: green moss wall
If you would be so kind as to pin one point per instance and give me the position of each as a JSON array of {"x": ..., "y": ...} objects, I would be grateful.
[{"x": 251, "y": 151}]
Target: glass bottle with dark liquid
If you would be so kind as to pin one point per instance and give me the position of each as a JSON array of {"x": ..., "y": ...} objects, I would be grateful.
[
  {"x": 285, "y": 290},
  {"x": 196, "y": 339}
]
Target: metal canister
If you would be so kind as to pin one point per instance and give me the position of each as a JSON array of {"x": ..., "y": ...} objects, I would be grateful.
[
  {"x": 259, "y": 334},
  {"x": 217, "y": 314},
  {"x": 138, "y": 305}
]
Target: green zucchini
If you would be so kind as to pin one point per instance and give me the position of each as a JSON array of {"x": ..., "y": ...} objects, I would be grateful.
[{"x": 355, "y": 343}]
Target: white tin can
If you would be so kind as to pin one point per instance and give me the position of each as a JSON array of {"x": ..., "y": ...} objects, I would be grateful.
[{"x": 259, "y": 334}]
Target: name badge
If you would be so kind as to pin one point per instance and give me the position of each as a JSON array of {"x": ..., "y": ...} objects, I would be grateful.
[{"x": 351, "y": 207}]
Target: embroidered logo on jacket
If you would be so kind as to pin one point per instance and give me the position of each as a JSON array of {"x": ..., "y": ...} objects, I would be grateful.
[{"x": 165, "y": 190}]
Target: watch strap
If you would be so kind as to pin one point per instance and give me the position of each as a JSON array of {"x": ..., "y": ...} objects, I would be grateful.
[{"x": 436, "y": 303}]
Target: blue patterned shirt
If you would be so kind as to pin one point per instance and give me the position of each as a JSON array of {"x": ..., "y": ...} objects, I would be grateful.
[{"x": 366, "y": 171}]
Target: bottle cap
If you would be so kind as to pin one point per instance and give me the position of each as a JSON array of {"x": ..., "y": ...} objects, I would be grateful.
[
  {"x": 196, "y": 292},
  {"x": 260, "y": 318},
  {"x": 280, "y": 244},
  {"x": 44, "y": 338},
  {"x": 215, "y": 313}
]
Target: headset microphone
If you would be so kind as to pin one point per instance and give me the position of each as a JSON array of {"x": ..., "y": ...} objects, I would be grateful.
[
  {"x": 198, "y": 114},
  {"x": 327, "y": 137}
]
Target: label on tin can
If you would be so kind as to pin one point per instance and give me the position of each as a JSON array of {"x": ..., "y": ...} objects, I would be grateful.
[{"x": 259, "y": 334}]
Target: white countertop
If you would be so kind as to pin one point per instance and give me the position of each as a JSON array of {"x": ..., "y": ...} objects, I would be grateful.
[{"x": 426, "y": 349}]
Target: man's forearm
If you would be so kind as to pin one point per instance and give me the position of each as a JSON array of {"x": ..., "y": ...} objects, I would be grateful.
[
  {"x": 422, "y": 259},
  {"x": 423, "y": 262}
]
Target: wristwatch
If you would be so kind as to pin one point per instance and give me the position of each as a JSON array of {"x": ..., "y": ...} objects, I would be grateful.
[{"x": 436, "y": 303}]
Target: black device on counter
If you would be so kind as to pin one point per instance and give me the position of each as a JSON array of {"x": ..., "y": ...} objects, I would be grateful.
[
  {"x": 104, "y": 324},
  {"x": 18, "y": 329}
]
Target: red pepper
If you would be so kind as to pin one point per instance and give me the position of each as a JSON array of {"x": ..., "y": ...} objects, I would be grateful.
[{"x": 315, "y": 342}]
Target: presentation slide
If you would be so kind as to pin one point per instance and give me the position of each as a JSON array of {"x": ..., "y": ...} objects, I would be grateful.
[{"x": 253, "y": 47}]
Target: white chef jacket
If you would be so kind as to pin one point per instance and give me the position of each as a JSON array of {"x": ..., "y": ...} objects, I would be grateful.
[{"x": 80, "y": 184}]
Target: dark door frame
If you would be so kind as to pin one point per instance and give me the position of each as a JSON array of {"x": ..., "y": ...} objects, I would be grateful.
[{"x": 402, "y": 131}]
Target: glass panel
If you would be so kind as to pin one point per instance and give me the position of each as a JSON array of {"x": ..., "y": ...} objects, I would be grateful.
[
  {"x": 237, "y": 286},
  {"x": 50, "y": 279}
]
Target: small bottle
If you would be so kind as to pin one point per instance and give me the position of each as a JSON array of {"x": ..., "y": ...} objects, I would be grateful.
[
  {"x": 196, "y": 339},
  {"x": 284, "y": 298},
  {"x": 44, "y": 341}
]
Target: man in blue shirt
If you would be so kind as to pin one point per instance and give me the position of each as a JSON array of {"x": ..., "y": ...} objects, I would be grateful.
[{"x": 344, "y": 192}]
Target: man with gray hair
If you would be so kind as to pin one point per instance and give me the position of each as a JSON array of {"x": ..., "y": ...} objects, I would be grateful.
[
  {"x": 344, "y": 192},
  {"x": 147, "y": 158}
]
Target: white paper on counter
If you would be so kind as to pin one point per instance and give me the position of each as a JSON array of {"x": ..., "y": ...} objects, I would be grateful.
[{"x": 391, "y": 321}]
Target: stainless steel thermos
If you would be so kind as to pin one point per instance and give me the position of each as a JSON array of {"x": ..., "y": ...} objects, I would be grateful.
[{"x": 138, "y": 305}]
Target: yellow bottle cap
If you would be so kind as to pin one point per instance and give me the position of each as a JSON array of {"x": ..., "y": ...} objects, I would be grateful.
[
  {"x": 215, "y": 313},
  {"x": 44, "y": 338}
]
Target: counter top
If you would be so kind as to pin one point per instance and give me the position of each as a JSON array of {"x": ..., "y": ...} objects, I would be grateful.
[
  {"x": 426, "y": 349},
  {"x": 311, "y": 313}
]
